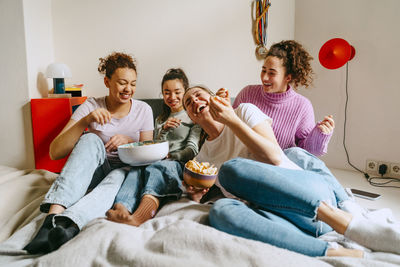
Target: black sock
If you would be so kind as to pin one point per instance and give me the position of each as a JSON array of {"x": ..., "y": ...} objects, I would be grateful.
[
  {"x": 61, "y": 234},
  {"x": 39, "y": 243}
]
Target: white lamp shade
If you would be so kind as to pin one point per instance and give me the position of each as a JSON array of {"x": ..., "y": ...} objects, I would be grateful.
[{"x": 58, "y": 70}]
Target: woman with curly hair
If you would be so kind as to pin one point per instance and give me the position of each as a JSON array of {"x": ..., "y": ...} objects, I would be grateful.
[
  {"x": 269, "y": 198},
  {"x": 286, "y": 66},
  {"x": 145, "y": 188},
  {"x": 93, "y": 165}
]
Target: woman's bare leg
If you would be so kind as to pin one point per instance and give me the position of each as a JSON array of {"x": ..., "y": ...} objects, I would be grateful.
[
  {"x": 344, "y": 252},
  {"x": 338, "y": 219},
  {"x": 56, "y": 209}
]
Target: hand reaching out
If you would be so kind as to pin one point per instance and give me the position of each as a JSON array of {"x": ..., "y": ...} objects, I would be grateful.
[
  {"x": 224, "y": 93},
  {"x": 194, "y": 193},
  {"x": 221, "y": 110},
  {"x": 117, "y": 140},
  {"x": 100, "y": 115},
  {"x": 327, "y": 125},
  {"x": 171, "y": 123}
]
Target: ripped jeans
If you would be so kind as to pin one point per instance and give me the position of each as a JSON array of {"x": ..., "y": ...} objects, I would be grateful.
[
  {"x": 284, "y": 204},
  {"x": 87, "y": 168}
]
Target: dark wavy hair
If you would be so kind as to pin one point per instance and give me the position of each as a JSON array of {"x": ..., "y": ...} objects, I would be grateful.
[
  {"x": 295, "y": 59},
  {"x": 171, "y": 74},
  {"x": 115, "y": 60}
]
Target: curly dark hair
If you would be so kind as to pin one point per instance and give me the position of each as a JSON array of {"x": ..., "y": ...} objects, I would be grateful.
[
  {"x": 295, "y": 59},
  {"x": 171, "y": 74},
  {"x": 115, "y": 60}
]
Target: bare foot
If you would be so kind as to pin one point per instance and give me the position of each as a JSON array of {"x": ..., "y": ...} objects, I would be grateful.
[
  {"x": 344, "y": 252},
  {"x": 146, "y": 210},
  {"x": 119, "y": 213}
]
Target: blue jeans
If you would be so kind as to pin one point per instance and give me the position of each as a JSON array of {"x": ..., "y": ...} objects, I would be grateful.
[
  {"x": 87, "y": 167},
  {"x": 284, "y": 204},
  {"x": 309, "y": 162},
  {"x": 160, "y": 179}
]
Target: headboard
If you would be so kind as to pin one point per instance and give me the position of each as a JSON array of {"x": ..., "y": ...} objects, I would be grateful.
[{"x": 155, "y": 104}]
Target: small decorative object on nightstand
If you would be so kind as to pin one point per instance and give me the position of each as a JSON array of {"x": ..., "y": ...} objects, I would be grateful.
[{"x": 58, "y": 71}]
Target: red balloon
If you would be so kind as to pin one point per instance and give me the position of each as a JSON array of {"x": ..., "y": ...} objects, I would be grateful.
[{"x": 335, "y": 53}]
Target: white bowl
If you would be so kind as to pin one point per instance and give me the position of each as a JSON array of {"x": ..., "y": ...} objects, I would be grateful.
[{"x": 143, "y": 153}]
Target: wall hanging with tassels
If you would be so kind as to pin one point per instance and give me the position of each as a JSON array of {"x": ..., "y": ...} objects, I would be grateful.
[{"x": 260, "y": 26}]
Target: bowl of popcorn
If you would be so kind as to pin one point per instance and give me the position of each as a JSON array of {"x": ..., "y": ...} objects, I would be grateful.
[
  {"x": 199, "y": 175},
  {"x": 143, "y": 153}
]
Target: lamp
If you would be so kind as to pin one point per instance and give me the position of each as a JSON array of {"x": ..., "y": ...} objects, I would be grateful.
[
  {"x": 335, "y": 53},
  {"x": 58, "y": 71}
]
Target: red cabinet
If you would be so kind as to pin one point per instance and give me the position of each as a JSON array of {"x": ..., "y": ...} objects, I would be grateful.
[{"x": 49, "y": 116}]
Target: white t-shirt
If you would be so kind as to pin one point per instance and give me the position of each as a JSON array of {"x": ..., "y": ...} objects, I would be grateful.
[
  {"x": 139, "y": 119},
  {"x": 228, "y": 146}
]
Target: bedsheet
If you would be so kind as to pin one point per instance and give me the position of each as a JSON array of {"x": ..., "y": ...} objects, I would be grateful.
[{"x": 177, "y": 236}]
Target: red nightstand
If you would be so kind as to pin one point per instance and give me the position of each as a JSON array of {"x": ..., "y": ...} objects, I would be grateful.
[{"x": 49, "y": 116}]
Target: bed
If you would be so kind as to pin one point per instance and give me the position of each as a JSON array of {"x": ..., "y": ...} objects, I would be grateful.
[{"x": 179, "y": 235}]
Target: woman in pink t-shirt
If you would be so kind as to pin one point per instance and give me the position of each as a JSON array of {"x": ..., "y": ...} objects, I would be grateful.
[{"x": 93, "y": 164}]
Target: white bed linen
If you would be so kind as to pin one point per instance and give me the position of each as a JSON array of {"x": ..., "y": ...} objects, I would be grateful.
[{"x": 177, "y": 236}]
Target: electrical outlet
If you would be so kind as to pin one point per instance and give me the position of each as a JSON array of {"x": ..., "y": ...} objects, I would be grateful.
[
  {"x": 387, "y": 167},
  {"x": 394, "y": 170},
  {"x": 371, "y": 166}
]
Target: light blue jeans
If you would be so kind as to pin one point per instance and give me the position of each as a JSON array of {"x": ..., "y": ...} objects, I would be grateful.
[
  {"x": 309, "y": 162},
  {"x": 284, "y": 204},
  {"x": 86, "y": 168},
  {"x": 161, "y": 179}
]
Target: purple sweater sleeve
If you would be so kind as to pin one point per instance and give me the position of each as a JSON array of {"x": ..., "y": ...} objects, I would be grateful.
[{"x": 308, "y": 136}]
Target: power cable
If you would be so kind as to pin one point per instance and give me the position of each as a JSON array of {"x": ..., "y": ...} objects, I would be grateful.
[
  {"x": 345, "y": 122},
  {"x": 374, "y": 181}
]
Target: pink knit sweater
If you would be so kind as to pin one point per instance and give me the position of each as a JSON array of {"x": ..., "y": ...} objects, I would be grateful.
[{"x": 292, "y": 115}]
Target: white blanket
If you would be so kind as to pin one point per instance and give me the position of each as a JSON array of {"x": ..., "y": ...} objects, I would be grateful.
[{"x": 177, "y": 236}]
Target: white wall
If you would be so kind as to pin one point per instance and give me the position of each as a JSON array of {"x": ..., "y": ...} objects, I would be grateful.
[
  {"x": 373, "y": 109},
  {"x": 15, "y": 134},
  {"x": 211, "y": 40},
  {"x": 39, "y": 45}
]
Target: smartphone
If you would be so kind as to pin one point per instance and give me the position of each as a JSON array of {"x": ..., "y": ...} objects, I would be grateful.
[{"x": 365, "y": 194}]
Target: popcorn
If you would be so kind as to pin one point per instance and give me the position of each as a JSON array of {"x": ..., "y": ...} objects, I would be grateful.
[{"x": 202, "y": 168}]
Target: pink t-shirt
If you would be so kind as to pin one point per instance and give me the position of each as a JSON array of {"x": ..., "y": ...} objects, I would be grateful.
[{"x": 139, "y": 119}]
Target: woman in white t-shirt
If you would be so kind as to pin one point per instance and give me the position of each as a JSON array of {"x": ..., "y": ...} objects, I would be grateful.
[
  {"x": 93, "y": 164},
  {"x": 289, "y": 207}
]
